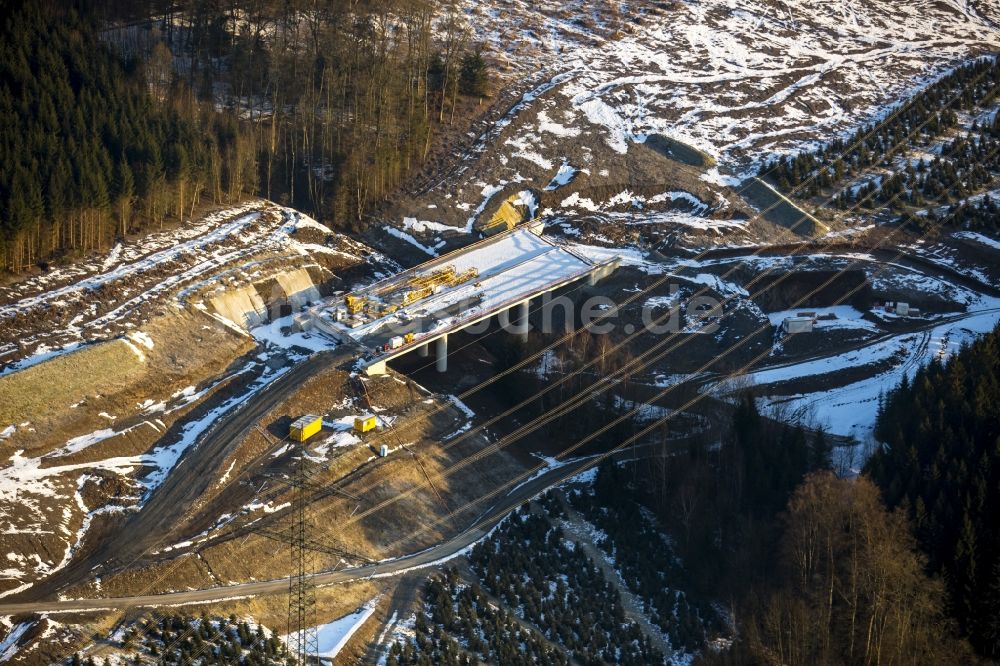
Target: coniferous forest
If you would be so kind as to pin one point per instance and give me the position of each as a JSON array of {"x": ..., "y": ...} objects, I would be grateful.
[
  {"x": 738, "y": 542},
  {"x": 901, "y": 564},
  {"x": 812, "y": 568},
  {"x": 184, "y": 639},
  {"x": 90, "y": 151},
  {"x": 940, "y": 464},
  {"x": 124, "y": 115}
]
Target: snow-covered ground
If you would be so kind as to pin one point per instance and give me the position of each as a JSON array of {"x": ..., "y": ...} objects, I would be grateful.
[
  {"x": 34, "y": 484},
  {"x": 837, "y": 316},
  {"x": 742, "y": 79},
  {"x": 508, "y": 269},
  {"x": 9, "y": 645},
  {"x": 396, "y": 630},
  {"x": 333, "y": 636},
  {"x": 43, "y": 494},
  {"x": 850, "y": 410},
  {"x": 949, "y": 256},
  {"x": 637, "y": 121},
  {"x": 737, "y": 81},
  {"x": 979, "y": 238},
  {"x": 279, "y": 334},
  {"x": 55, "y": 312},
  {"x": 734, "y": 82}
]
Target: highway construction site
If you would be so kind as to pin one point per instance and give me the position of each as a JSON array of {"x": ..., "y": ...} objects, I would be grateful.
[
  {"x": 291, "y": 401},
  {"x": 256, "y": 415},
  {"x": 420, "y": 307}
]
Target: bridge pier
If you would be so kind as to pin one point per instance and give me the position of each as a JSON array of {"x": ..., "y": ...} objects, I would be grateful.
[
  {"x": 514, "y": 320},
  {"x": 442, "y": 353},
  {"x": 523, "y": 324},
  {"x": 424, "y": 350},
  {"x": 601, "y": 272}
]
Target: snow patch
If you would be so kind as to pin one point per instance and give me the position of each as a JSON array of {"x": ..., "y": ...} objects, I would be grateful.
[
  {"x": 402, "y": 235},
  {"x": 563, "y": 177}
]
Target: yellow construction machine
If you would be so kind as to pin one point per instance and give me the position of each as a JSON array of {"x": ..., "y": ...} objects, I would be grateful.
[
  {"x": 422, "y": 286},
  {"x": 412, "y": 290},
  {"x": 355, "y": 304}
]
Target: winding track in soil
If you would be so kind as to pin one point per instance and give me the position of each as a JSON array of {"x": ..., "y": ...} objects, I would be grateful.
[
  {"x": 435, "y": 554},
  {"x": 195, "y": 471}
]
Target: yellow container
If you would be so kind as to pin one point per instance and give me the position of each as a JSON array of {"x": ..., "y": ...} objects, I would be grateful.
[
  {"x": 305, "y": 427},
  {"x": 364, "y": 423}
]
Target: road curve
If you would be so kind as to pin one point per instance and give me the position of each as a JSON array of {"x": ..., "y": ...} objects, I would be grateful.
[
  {"x": 899, "y": 256},
  {"x": 441, "y": 551},
  {"x": 171, "y": 500},
  {"x": 708, "y": 379}
]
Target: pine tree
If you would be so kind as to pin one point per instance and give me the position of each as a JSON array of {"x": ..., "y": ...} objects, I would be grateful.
[
  {"x": 473, "y": 77},
  {"x": 820, "y": 451},
  {"x": 124, "y": 192}
]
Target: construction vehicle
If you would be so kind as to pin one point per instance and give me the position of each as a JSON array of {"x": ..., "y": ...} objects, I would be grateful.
[
  {"x": 466, "y": 275},
  {"x": 421, "y": 286},
  {"x": 440, "y": 276},
  {"x": 305, "y": 427},
  {"x": 416, "y": 295},
  {"x": 365, "y": 422},
  {"x": 355, "y": 304},
  {"x": 388, "y": 301},
  {"x": 397, "y": 341}
]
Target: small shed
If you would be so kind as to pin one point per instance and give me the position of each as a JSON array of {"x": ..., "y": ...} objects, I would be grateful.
[
  {"x": 364, "y": 422},
  {"x": 797, "y": 325},
  {"x": 903, "y": 309},
  {"x": 305, "y": 427}
]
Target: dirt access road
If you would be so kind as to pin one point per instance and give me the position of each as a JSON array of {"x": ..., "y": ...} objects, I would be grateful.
[
  {"x": 428, "y": 557},
  {"x": 894, "y": 255},
  {"x": 708, "y": 380},
  {"x": 199, "y": 466}
]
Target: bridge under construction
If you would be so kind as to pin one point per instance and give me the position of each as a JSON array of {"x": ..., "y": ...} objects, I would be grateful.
[{"x": 420, "y": 307}]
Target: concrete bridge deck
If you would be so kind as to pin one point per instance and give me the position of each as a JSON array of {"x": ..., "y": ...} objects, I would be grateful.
[{"x": 513, "y": 268}]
